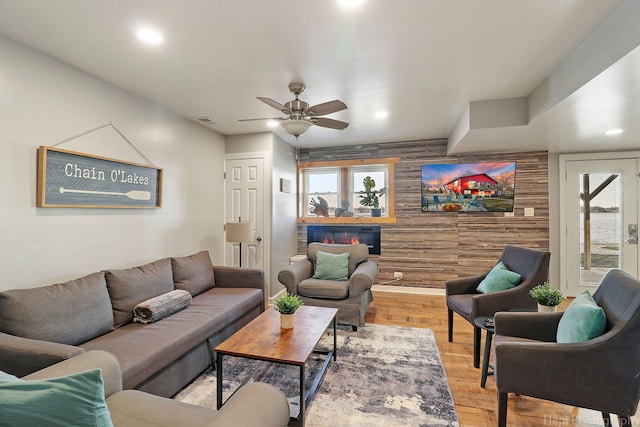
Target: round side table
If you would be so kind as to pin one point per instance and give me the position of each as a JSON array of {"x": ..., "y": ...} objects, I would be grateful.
[{"x": 486, "y": 323}]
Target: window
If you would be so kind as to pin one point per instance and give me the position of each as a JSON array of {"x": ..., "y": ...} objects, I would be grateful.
[{"x": 332, "y": 191}]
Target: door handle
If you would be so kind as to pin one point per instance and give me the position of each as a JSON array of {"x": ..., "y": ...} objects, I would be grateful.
[{"x": 259, "y": 239}]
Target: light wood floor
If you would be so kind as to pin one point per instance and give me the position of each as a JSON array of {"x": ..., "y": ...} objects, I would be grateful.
[{"x": 476, "y": 407}]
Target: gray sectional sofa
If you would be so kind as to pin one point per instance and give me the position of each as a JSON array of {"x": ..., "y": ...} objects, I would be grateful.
[{"x": 43, "y": 326}]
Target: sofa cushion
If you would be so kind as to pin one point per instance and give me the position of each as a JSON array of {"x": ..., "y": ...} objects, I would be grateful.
[
  {"x": 193, "y": 273},
  {"x": 162, "y": 306},
  {"x": 326, "y": 289},
  {"x": 131, "y": 286},
  {"x": 144, "y": 350},
  {"x": 582, "y": 320},
  {"x": 76, "y": 399},
  {"x": 67, "y": 313},
  {"x": 500, "y": 278},
  {"x": 332, "y": 266}
]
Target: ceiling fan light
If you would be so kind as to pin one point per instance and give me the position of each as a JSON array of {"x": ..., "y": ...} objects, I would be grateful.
[{"x": 296, "y": 127}]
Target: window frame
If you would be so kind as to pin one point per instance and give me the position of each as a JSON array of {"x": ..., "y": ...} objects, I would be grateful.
[{"x": 346, "y": 168}]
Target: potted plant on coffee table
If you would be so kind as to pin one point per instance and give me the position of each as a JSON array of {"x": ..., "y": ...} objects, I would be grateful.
[
  {"x": 547, "y": 297},
  {"x": 287, "y": 304},
  {"x": 371, "y": 196}
]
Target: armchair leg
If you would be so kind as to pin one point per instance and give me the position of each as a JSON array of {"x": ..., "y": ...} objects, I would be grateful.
[
  {"x": 606, "y": 417},
  {"x": 450, "y": 323},
  {"x": 503, "y": 399},
  {"x": 476, "y": 346},
  {"x": 625, "y": 420},
  {"x": 354, "y": 328}
]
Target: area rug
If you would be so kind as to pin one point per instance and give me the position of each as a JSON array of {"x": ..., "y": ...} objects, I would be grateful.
[{"x": 384, "y": 376}]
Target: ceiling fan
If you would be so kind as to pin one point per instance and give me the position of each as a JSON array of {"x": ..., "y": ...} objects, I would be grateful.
[{"x": 301, "y": 116}]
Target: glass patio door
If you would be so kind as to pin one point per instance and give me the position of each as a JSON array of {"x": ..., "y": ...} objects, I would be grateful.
[{"x": 601, "y": 221}]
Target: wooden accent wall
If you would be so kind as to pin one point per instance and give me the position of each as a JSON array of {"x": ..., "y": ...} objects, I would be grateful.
[{"x": 430, "y": 248}]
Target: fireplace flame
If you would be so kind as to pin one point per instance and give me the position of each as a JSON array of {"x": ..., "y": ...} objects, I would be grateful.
[{"x": 344, "y": 239}]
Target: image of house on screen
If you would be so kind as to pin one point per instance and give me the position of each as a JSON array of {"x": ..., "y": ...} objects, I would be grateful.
[
  {"x": 480, "y": 184},
  {"x": 468, "y": 187}
]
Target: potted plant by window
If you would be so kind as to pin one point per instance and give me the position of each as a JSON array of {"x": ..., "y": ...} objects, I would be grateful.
[
  {"x": 547, "y": 297},
  {"x": 287, "y": 305},
  {"x": 371, "y": 196}
]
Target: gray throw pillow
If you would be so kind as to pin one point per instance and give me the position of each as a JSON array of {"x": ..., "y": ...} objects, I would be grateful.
[{"x": 162, "y": 306}]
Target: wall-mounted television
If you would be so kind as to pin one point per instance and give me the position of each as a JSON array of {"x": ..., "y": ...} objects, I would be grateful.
[{"x": 468, "y": 187}]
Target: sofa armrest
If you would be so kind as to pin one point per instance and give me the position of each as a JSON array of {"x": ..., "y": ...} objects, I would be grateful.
[
  {"x": 236, "y": 277},
  {"x": 534, "y": 326},
  {"x": 362, "y": 279},
  {"x": 93, "y": 359},
  {"x": 464, "y": 285},
  {"x": 255, "y": 404},
  {"x": 294, "y": 274},
  {"x": 21, "y": 356}
]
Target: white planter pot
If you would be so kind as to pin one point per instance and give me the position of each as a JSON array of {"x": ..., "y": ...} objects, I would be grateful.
[
  {"x": 286, "y": 321},
  {"x": 547, "y": 308}
]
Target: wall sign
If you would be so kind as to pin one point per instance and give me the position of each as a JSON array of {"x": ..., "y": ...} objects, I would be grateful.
[{"x": 68, "y": 179}]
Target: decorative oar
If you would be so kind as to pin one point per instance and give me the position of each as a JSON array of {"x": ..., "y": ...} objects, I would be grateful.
[{"x": 133, "y": 194}]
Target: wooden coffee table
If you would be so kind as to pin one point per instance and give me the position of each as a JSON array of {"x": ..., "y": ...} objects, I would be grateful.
[{"x": 263, "y": 339}]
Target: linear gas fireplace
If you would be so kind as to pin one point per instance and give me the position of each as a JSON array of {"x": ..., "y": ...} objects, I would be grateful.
[{"x": 346, "y": 234}]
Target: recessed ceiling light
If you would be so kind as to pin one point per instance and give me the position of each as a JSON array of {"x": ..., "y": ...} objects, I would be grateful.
[
  {"x": 381, "y": 114},
  {"x": 272, "y": 123},
  {"x": 149, "y": 36},
  {"x": 611, "y": 132},
  {"x": 350, "y": 4}
]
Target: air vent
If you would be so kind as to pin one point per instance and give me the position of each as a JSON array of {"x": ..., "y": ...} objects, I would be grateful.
[{"x": 206, "y": 120}]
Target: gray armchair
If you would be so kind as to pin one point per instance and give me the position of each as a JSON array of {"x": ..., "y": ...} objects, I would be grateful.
[
  {"x": 464, "y": 299},
  {"x": 351, "y": 297},
  {"x": 599, "y": 374}
]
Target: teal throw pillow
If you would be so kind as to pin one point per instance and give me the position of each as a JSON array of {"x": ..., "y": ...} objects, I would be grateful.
[
  {"x": 500, "y": 278},
  {"x": 332, "y": 266},
  {"x": 8, "y": 377},
  {"x": 582, "y": 320},
  {"x": 75, "y": 400}
]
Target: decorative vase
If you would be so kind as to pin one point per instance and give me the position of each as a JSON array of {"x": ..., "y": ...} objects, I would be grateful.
[
  {"x": 547, "y": 308},
  {"x": 376, "y": 212},
  {"x": 286, "y": 321}
]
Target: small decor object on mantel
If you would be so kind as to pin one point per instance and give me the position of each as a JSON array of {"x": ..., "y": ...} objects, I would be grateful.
[
  {"x": 547, "y": 297},
  {"x": 287, "y": 305},
  {"x": 371, "y": 197}
]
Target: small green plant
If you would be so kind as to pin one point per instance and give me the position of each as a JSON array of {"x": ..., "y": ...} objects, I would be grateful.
[
  {"x": 545, "y": 294},
  {"x": 287, "y": 303},
  {"x": 371, "y": 197}
]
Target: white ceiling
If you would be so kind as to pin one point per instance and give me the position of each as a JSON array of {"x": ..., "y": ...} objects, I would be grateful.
[{"x": 436, "y": 66}]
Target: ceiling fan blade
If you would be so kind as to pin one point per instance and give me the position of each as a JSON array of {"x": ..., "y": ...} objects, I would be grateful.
[
  {"x": 329, "y": 123},
  {"x": 326, "y": 108},
  {"x": 262, "y": 118},
  {"x": 275, "y": 104}
]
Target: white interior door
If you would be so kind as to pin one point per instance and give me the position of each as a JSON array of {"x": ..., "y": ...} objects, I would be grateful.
[
  {"x": 245, "y": 201},
  {"x": 600, "y": 218}
]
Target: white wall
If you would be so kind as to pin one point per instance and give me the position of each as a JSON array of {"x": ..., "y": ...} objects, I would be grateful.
[
  {"x": 284, "y": 211},
  {"x": 43, "y": 102}
]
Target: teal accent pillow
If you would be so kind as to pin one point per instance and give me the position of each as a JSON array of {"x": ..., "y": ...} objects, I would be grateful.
[
  {"x": 76, "y": 400},
  {"x": 500, "y": 278},
  {"x": 582, "y": 320},
  {"x": 8, "y": 377},
  {"x": 332, "y": 266}
]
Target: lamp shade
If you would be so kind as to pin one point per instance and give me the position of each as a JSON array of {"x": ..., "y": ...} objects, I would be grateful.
[
  {"x": 239, "y": 231},
  {"x": 296, "y": 127}
]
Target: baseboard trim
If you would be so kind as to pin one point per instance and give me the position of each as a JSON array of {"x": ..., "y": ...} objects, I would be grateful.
[{"x": 408, "y": 290}]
